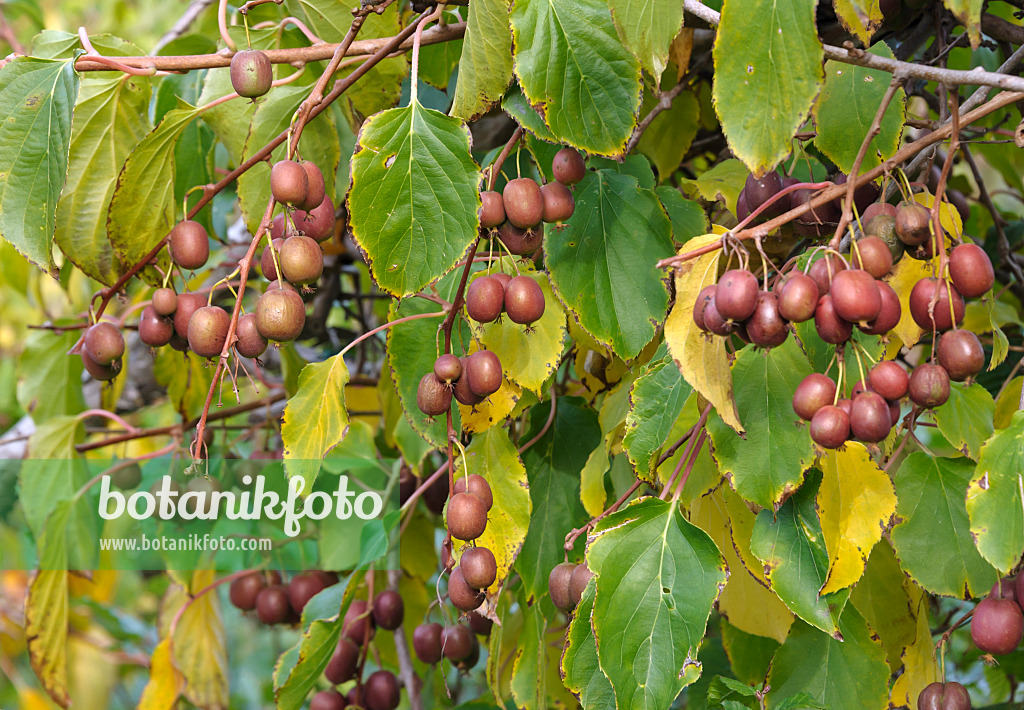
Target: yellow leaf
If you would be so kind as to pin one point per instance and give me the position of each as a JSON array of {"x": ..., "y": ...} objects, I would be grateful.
[
  {"x": 93, "y": 673},
  {"x": 46, "y": 628},
  {"x": 315, "y": 419},
  {"x": 165, "y": 682},
  {"x": 919, "y": 667},
  {"x": 701, "y": 357},
  {"x": 360, "y": 399},
  {"x": 680, "y": 50},
  {"x": 1008, "y": 403},
  {"x": 949, "y": 216},
  {"x": 855, "y": 501},
  {"x": 32, "y": 699},
  {"x": 745, "y": 602},
  {"x": 592, "y": 492},
  {"x": 492, "y": 410},
  {"x": 861, "y": 18},
  {"x": 741, "y": 522},
  {"x": 904, "y": 275},
  {"x": 200, "y": 646}
]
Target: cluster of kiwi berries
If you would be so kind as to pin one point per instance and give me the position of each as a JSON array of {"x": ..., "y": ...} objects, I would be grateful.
[
  {"x": 518, "y": 211},
  {"x": 457, "y": 642},
  {"x": 466, "y": 519},
  {"x": 471, "y": 379},
  {"x": 275, "y": 601},
  {"x": 566, "y": 584},
  {"x": 520, "y": 297}
]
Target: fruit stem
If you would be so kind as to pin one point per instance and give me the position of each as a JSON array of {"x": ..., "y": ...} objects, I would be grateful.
[
  {"x": 860, "y": 364},
  {"x": 462, "y": 452},
  {"x": 840, "y": 378}
]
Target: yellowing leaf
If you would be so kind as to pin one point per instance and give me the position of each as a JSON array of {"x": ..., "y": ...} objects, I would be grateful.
[
  {"x": 32, "y": 699},
  {"x": 199, "y": 644},
  {"x": 701, "y": 358},
  {"x": 919, "y": 667},
  {"x": 315, "y": 420},
  {"x": 855, "y": 502},
  {"x": 165, "y": 682},
  {"x": 904, "y": 275},
  {"x": 861, "y": 17},
  {"x": 492, "y": 410},
  {"x": 949, "y": 216},
  {"x": 1008, "y": 403},
  {"x": 46, "y": 628},
  {"x": 592, "y": 491}
]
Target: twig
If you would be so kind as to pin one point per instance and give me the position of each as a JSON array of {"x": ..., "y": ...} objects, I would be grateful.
[
  {"x": 191, "y": 14},
  {"x": 570, "y": 539},
  {"x": 543, "y": 429}
]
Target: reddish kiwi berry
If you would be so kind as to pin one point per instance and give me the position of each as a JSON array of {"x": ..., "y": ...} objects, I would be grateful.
[
  {"x": 922, "y": 252},
  {"x": 250, "y": 342},
  {"x": 929, "y": 386},
  {"x": 524, "y": 300},
  {"x": 1005, "y": 588},
  {"x": 578, "y": 583},
  {"x": 492, "y": 209},
  {"x": 104, "y": 343},
  {"x": 758, "y": 191},
  {"x": 188, "y": 303},
  {"x": 846, "y": 405},
  {"x": 944, "y": 696},
  {"x": 433, "y": 397},
  {"x": 380, "y": 691},
  {"x": 736, "y": 297},
  {"x": 814, "y": 392},
  {"x": 961, "y": 354},
  {"x": 872, "y": 255},
  {"x": 318, "y": 223},
  {"x": 315, "y": 189},
  {"x": 997, "y": 625},
  {"x": 358, "y": 622},
  {"x": 859, "y": 387},
  {"x": 243, "y": 590},
  {"x": 889, "y": 380},
  {"x": 208, "y": 331},
  {"x": 457, "y": 642},
  {"x": 476, "y": 485},
  {"x": 485, "y": 299},
  {"x": 870, "y": 420},
  {"x": 766, "y": 328},
  {"x": 855, "y": 296},
  {"x": 267, "y": 260},
  {"x": 824, "y": 270},
  {"x": 289, "y": 183},
  {"x": 970, "y": 269},
  {"x": 524, "y": 202},
  {"x": 301, "y": 260},
  {"x": 502, "y": 277},
  {"x": 912, "y": 223},
  {"x": 388, "y": 609},
  {"x": 470, "y": 661},
  {"x": 938, "y": 317},
  {"x": 568, "y": 166},
  {"x": 830, "y": 427},
  {"x": 303, "y": 587},
  {"x": 344, "y": 662},
  {"x": 479, "y": 568},
  {"x": 466, "y": 517},
  {"x": 447, "y": 368},
  {"x": 889, "y": 315},
  {"x": 329, "y": 699},
  {"x": 816, "y": 222},
  {"x": 483, "y": 371},
  {"x": 462, "y": 596},
  {"x": 127, "y": 477},
  {"x": 165, "y": 301},
  {"x": 877, "y": 208},
  {"x": 558, "y": 202},
  {"x": 251, "y": 73},
  {"x": 831, "y": 328},
  {"x": 706, "y": 295},
  {"x": 799, "y": 298},
  {"x": 479, "y": 624},
  {"x": 714, "y": 321},
  {"x": 277, "y": 227},
  {"x": 280, "y": 284},
  {"x": 463, "y": 394},
  {"x": 558, "y": 585},
  {"x": 426, "y": 642},
  {"x": 189, "y": 245},
  {"x": 272, "y": 605},
  {"x": 280, "y": 315},
  {"x": 520, "y": 241}
]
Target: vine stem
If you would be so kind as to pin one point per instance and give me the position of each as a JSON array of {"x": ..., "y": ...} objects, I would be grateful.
[
  {"x": 222, "y": 26},
  {"x": 387, "y": 325},
  {"x": 544, "y": 429},
  {"x": 687, "y": 451},
  {"x": 108, "y": 415},
  {"x": 689, "y": 466},
  {"x": 570, "y": 539},
  {"x": 91, "y": 52}
]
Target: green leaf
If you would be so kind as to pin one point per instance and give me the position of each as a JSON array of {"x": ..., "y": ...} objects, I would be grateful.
[
  {"x": 995, "y": 497},
  {"x": 37, "y": 99},
  {"x": 602, "y": 261},
  {"x": 575, "y": 71},
  {"x": 838, "y": 674},
  {"x": 529, "y": 679},
  {"x": 649, "y": 559},
  {"x": 582, "y": 672},
  {"x": 186, "y": 377},
  {"x": 846, "y": 108},
  {"x": 656, "y": 401},
  {"x": 888, "y": 601},
  {"x": 516, "y": 106},
  {"x": 932, "y": 516},
  {"x": 688, "y": 218},
  {"x": 143, "y": 208},
  {"x": 966, "y": 417},
  {"x": 792, "y": 549},
  {"x": 552, "y": 467},
  {"x": 50, "y": 380},
  {"x": 53, "y": 472},
  {"x": 723, "y": 182},
  {"x": 668, "y": 137},
  {"x": 767, "y": 72},
  {"x": 111, "y": 118},
  {"x": 768, "y": 463},
  {"x": 485, "y": 68},
  {"x": 750, "y": 656},
  {"x": 315, "y": 419},
  {"x": 414, "y": 199},
  {"x": 647, "y": 29}
]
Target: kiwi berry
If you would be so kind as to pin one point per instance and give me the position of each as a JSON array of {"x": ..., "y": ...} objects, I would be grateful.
[
  {"x": 303, "y": 587},
  {"x": 970, "y": 270},
  {"x": 558, "y": 585},
  {"x": 329, "y": 699},
  {"x": 243, "y": 590},
  {"x": 578, "y": 583},
  {"x": 568, "y": 166},
  {"x": 883, "y": 226},
  {"x": 189, "y": 245},
  {"x": 388, "y": 610},
  {"x": 462, "y": 596},
  {"x": 814, "y": 392},
  {"x": 466, "y": 517},
  {"x": 524, "y": 202},
  {"x": 483, "y": 373},
  {"x": 520, "y": 241},
  {"x": 558, "y": 202},
  {"x": 524, "y": 300},
  {"x": 912, "y": 223},
  {"x": 479, "y": 568},
  {"x": 267, "y": 260},
  {"x": 944, "y": 696},
  {"x": 889, "y": 315},
  {"x": 279, "y": 228},
  {"x": 798, "y": 298},
  {"x": 433, "y": 397},
  {"x": 280, "y": 315},
  {"x": 863, "y": 196},
  {"x": 870, "y": 420},
  {"x": 358, "y": 623},
  {"x": 154, "y": 330},
  {"x": 824, "y": 270},
  {"x": 492, "y": 209},
  {"x": 830, "y": 427},
  {"x": 344, "y": 663},
  {"x": 872, "y": 255},
  {"x": 301, "y": 260},
  {"x": 462, "y": 392},
  {"x": 479, "y": 624},
  {"x": 381, "y": 692},
  {"x": 889, "y": 380},
  {"x": 426, "y": 642},
  {"x": 961, "y": 354},
  {"x": 104, "y": 343},
  {"x": 830, "y": 326},
  {"x": 315, "y": 189},
  {"x": 706, "y": 295},
  {"x": 251, "y": 73},
  {"x": 250, "y": 342},
  {"x": 208, "y": 331},
  {"x": 165, "y": 301},
  {"x": 758, "y": 191},
  {"x": 476, "y": 485},
  {"x": 447, "y": 368},
  {"x": 457, "y": 642},
  {"x": 318, "y": 223},
  {"x": 127, "y": 477},
  {"x": 272, "y": 605},
  {"x": 289, "y": 183},
  {"x": 713, "y": 320},
  {"x": 997, "y": 626},
  {"x": 102, "y": 373},
  {"x": 766, "y": 328},
  {"x": 929, "y": 386},
  {"x": 736, "y": 297},
  {"x": 855, "y": 296},
  {"x": 485, "y": 299},
  {"x": 930, "y": 305}
]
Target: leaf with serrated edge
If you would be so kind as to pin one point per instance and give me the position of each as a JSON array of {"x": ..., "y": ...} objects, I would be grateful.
[
  {"x": 315, "y": 419},
  {"x": 932, "y": 516},
  {"x": 580, "y": 668},
  {"x": 888, "y": 601},
  {"x": 200, "y": 643},
  {"x": 485, "y": 68},
  {"x": 647, "y": 29},
  {"x": 966, "y": 417},
  {"x": 768, "y": 69},
  {"x": 855, "y": 502},
  {"x": 767, "y": 464},
  {"x": 649, "y": 559},
  {"x": 575, "y": 70},
  {"x": 995, "y": 497},
  {"x": 49, "y": 384},
  {"x": 702, "y": 359},
  {"x": 413, "y": 200},
  {"x": 969, "y": 13},
  {"x": 493, "y": 410},
  {"x": 861, "y": 17},
  {"x": 656, "y": 400}
]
